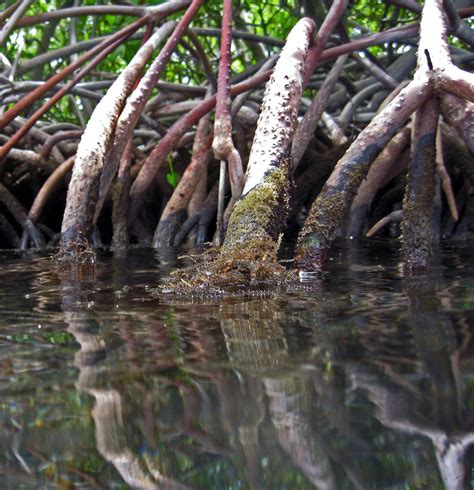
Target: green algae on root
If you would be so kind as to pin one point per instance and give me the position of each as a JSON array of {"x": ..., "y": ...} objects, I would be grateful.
[
  {"x": 261, "y": 214},
  {"x": 249, "y": 254},
  {"x": 248, "y": 257}
]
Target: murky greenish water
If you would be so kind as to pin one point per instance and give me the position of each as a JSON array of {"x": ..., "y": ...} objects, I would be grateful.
[{"x": 362, "y": 380}]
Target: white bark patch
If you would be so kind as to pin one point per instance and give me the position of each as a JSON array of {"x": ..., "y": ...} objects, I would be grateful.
[
  {"x": 97, "y": 136},
  {"x": 276, "y": 123},
  {"x": 104, "y": 117}
]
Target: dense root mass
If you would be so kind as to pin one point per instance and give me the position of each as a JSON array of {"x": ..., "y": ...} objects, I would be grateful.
[{"x": 144, "y": 173}]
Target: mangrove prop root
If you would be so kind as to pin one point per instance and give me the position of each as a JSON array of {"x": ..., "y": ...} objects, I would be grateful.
[
  {"x": 250, "y": 248},
  {"x": 265, "y": 196},
  {"x": 181, "y": 196},
  {"x": 120, "y": 237},
  {"x": 305, "y": 130},
  {"x": 166, "y": 125},
  {"x": 83, "y": 190},
  {"x": 444, "y": 175},
  {"x": 157, "y": 157},
  {"x": 275, "y": 127},
  {"x": 460, "y": 114},
  {"x": 418, "y": 202},
  {"x": 385, "y": 167},
  {"x": 52, "y": 183},
  {"x": 393, "y": 217},
  {"x": 333, "y": 203},
  {"x": 223, "y": 146},
  {"x": 219, "y": 235},
  {"x": 137, "y": 101},
  {"x": 435, "y": 70}
]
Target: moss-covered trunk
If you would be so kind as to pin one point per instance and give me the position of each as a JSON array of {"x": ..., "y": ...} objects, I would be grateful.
[
  {"x": 248, "y": 254},
  {"x": 260, "y": 214}
]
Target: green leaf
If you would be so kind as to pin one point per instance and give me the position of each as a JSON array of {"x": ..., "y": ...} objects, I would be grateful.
[{"x": 172, "y": 177}]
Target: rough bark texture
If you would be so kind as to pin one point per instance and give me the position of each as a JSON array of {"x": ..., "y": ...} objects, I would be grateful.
[
  {"x": 260, "y": 215},
  {"x": 418, "y": 202},
  {"x": 435, "y": 70},
  {"x": 249, "y": 253},
  {"x": 331, "y": 206},
  {"x": 84, "y": 186},
  {"x": 276, "y": 123},
  {"x": 385, "y": 166},
  {"x": 264, "y": 204},
  {"x": 460, "y": 114}
]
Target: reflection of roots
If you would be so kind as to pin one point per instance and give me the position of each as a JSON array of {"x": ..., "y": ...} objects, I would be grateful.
[
  {"x": 112, "y": 444},
  {"x": 244, "y": 266},
  {"x": 107, "y": 412},
  {"x": 294, "y": 434},
  {"x": 402, "y": 411}
]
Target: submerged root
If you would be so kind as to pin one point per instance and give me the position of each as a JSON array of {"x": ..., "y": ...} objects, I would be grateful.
[{"x": 243, "y": 269}]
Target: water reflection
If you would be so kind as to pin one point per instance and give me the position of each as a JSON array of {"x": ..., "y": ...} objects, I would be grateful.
[
  {"x": 94, "y": 379},
  {"x": 430, "y": 402},
  {"x": 361, "y": 381}
]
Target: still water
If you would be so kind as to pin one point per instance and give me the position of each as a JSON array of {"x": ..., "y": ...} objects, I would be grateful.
[{"x": 363, "y": 379}]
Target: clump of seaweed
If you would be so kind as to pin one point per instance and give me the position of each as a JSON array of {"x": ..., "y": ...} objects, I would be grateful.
[
  {"x": 79, "y": 252},
  {"x": 244, "y": 269}
]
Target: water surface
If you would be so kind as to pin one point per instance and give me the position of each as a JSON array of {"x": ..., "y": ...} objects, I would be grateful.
[{"x": 363, "y": 379}]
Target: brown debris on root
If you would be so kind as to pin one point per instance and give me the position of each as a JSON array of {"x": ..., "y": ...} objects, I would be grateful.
[
  {"x": 248, "y": 258},
  {"x": 79, "y": 253},
  {"x": 243, "y": 270}
]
